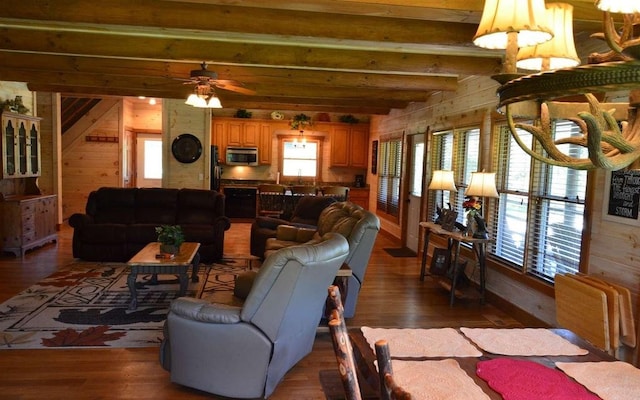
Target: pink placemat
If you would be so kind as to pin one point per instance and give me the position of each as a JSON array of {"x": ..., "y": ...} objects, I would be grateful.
[
  {"x": 436, "y": 380},
  {"x": 611, "y": 380},
  {"x": 528, "y": 380},
  {"x": 522, "y": 342},
  {"x": 440, "y": 342}
]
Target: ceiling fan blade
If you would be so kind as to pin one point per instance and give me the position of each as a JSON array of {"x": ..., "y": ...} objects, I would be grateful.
[{"x": 233, "y": 87}]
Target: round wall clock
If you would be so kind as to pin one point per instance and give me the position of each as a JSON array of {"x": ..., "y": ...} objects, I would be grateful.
[{"x": 186, "y": 148}]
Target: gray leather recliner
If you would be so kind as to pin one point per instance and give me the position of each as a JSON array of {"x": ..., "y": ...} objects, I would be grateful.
[{"x": 244, "y": 352}]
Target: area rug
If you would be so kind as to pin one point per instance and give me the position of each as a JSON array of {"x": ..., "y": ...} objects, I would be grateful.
[
  {"x": 400, "y": 252},
  {"x": 86, "y": 305}
]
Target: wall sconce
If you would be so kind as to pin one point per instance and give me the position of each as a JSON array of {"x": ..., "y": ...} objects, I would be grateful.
[
  {"x": 510, "y": 24},
  {"x": 442, "y": 180},
  {"x": 560, "y": 51}
]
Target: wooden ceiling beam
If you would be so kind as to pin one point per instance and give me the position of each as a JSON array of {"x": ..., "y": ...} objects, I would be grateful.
[
  {"x": 152, "y": 48},
  {"x": 26, "y": 66},
  {"x": 244, "y": 20}
]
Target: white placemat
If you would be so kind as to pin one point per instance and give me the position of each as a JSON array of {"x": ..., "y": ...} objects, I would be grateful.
[
  {"x": 436, "y": 380},
  {"x": 611, "y": 380},
  {"x": 522, "y": 342},
  {"x": 440, "y": 342}
]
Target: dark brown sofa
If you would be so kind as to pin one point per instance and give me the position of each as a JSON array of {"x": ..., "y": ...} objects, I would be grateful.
[
  {"x": 305, "y": 215},
  {"x": 119, "y": 222}
]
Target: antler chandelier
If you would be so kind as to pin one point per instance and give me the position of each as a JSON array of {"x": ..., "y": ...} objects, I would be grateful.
[{"x": 609, "y": 131}]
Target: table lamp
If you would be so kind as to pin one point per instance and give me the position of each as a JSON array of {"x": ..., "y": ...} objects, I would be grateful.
[
  {"x": 442, "y": 180},
  {"x": 482, "y": 184}
]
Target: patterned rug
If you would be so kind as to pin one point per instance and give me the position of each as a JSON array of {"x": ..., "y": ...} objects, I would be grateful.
[{"x": 86, "y": 305}]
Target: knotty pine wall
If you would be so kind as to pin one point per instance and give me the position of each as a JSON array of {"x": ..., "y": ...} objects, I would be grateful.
[{"x": 614, "y": 251}]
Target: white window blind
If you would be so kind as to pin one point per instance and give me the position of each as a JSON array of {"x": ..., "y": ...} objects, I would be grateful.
[
  {"x": 390, "y": 159},
  {"x": 539, "y": 217}
]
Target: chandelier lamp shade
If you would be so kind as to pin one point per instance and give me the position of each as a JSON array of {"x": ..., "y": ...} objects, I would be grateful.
[
  {"x": 560, "y": 51},
  {"x": 512, "y": 24},
  {"x": 619, "y": 6}
]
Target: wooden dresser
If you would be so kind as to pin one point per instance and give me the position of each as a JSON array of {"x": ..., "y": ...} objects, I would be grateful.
[{"x": 27, "y": 221}]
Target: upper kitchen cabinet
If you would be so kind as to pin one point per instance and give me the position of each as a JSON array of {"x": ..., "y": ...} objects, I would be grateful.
[
  {"x": 236, "y": 132},
  {"x": 20, "y": 146},
  {"x": 349, "y": 145}
]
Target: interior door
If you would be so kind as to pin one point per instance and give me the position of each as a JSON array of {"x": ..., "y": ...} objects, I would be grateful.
[
  {"x": 148, "y": 160},
  {"x": 415, "y": 190}
]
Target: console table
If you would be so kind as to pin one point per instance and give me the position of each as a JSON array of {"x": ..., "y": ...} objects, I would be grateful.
[{"x": 454, "y": 239}]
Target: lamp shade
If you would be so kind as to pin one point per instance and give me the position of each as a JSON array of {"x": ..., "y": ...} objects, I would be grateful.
[
  {"x": 483, "y": 184},
  {"x": 202, "y": 102},
  {"x": 619, "y": 6},
  {"x": 442, "y": 180},
  {"x": 501, "y": 17},
  {"x": 560, "y": 51}
]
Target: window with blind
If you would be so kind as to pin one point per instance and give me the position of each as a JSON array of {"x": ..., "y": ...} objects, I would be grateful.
[
  {"x": 539, "y": 218},
  {"x": 390, "y": 165},
  {"x": 457, "y": 151}
]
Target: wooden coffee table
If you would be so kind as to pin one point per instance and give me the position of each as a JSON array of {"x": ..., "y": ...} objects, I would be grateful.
[{"x": 146, "y": 262}]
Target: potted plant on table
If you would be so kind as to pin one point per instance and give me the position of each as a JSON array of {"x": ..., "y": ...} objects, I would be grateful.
[{"x": 170, "y": 237}]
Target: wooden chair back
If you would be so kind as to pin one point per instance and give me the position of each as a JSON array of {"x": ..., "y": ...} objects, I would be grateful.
[
  {"x": 389, "y": 389},
  {"x": 271, "y": 200},
  {"x": 341, "y": 193},
  {"x": 342, "y": 346},
  {"x": 304, "y": 190}
]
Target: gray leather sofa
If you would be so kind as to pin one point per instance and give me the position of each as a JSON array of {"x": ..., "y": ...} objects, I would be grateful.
[
  {"x": 244, "y": 352},
  {"x": 359, "y": 226}
]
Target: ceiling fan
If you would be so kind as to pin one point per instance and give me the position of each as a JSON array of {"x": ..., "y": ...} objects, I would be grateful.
[{"x": 205, "y": 81}]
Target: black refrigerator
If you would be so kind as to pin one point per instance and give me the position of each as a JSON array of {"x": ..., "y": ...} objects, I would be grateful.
[{"x": 216, "y": 169}]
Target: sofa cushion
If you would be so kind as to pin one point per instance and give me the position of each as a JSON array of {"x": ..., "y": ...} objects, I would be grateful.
[
  {"x": 104, "y": 233},
  {"x": 294, "y": 234},
  {"x": 113, "y": 205},
  {"x": 339, "y": 219},
  {"x": 199, "y": 206},
  {"x": 156, "y": 206}
]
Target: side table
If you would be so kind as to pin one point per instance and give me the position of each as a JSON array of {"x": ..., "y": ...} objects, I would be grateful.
[{"x": 454, "y": 239}]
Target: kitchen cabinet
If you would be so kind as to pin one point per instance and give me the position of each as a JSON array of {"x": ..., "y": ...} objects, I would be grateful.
[
  {"x": 28, "y": 222},
  {"x": 20, "y": 145},
  {"x": 349, "y": 145},
  {"x": 243, "y": 133},
  {"x": 359, "y": 196}
]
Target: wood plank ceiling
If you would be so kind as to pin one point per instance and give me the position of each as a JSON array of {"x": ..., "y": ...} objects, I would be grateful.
[{"x": 349, "y": 56}]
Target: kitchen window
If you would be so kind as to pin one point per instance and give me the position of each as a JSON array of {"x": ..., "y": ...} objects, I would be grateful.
[{"x": 300, "y": 159}]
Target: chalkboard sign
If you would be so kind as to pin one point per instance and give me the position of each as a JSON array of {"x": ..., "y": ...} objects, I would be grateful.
[{"x": 624, "y": 194}]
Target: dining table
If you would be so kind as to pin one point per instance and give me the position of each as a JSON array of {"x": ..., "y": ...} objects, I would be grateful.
[{"x": 409, "y": 349}]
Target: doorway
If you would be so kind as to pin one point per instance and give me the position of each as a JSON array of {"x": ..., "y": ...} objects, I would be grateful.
[
  {"x": 416, "y": 172},
  {"x": 148, "y": 160}
]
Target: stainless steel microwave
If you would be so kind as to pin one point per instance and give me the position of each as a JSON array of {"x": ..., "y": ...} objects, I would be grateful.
[{"x": 242, "y": 156}]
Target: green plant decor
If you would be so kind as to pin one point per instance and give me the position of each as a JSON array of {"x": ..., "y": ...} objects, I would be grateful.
[
  {"x": 349, "y": 119},
  {"x": 243, "y": 114},
  {"x": 170, "y": 237},
  {"x": 299, "y": 121}
]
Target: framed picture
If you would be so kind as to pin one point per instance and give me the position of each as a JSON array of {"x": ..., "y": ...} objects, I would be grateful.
[
  {"x": 622, "y": 197},
  {"x": 374, "y": 157},
  {"x": 449, "y": 220},
  {"x": 440, "y": 261}
]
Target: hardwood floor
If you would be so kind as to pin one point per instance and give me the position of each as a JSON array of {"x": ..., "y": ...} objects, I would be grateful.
[{"x": 392, "y": 296}]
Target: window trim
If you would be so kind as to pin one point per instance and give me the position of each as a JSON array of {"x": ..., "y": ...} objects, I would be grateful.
[{"x": 309, "y": 139}]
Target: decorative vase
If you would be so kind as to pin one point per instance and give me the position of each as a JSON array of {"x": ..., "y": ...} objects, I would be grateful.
[
  {"x": 472, "y": 224},
  {"x": 169, "y": 249}
]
